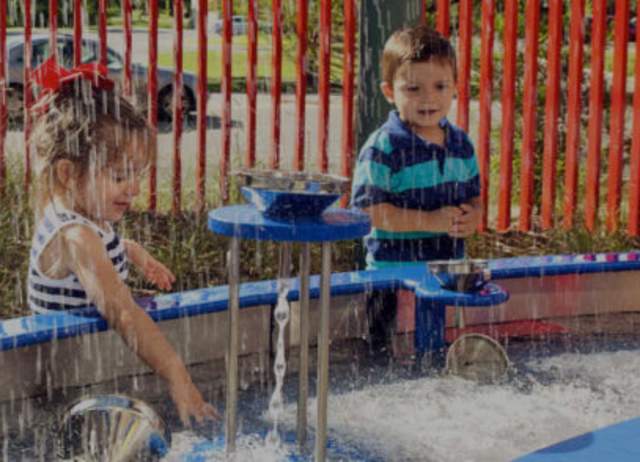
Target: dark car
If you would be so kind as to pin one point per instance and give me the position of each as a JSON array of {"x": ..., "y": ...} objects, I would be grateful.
[{"x": 90, "y": 53}]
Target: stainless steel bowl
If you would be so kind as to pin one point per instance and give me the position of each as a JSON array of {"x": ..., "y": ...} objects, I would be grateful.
[
  {"x": 477, "y": 357},
  {"x": 276, "y": 180},
  {"x": 112, "y": 428},
  {"x": 463, "y": 275}
]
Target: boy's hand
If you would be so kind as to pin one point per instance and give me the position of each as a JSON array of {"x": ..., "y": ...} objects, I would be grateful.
[
  {"x": 465, "y": 224},
  {"x": 156, "y": 273},
  {"x": 445, "y": 218}
]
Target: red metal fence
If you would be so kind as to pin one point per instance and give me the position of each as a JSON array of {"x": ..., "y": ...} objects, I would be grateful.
[{"x": 545, "y": 145}]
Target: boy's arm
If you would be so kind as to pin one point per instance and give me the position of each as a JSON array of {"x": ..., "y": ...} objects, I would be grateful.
[
  {"x": 372, "y": 192},
  {"x": 391, "y": 218}
]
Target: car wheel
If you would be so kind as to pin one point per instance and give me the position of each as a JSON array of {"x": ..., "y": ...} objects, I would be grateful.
[
  {"x": 165, "y": 102},
  {"x": 15, "y": 106}
]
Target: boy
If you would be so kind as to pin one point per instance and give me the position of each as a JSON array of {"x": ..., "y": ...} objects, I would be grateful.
[{"x": 416, "y": 176}]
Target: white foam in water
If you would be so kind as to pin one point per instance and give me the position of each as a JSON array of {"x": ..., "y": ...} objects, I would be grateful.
[
  {"x": 450, "y": 419},
  {"x": 249, "y": 448}
]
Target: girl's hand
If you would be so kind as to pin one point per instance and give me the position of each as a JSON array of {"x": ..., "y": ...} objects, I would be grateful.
[
  {"x": 156, "y": 273},
  {"x": 466, "y": 223},
  {"x": 190, "y": 404}
]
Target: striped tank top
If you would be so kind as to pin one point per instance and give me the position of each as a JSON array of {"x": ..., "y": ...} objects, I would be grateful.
[{"x": 47, "y": 295}]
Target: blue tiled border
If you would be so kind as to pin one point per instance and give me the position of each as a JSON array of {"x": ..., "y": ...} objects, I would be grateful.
[{"x": 32, "y": 330}]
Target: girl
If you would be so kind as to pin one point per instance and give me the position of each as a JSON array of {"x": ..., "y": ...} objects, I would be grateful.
[{"x": 91, "y": 148}]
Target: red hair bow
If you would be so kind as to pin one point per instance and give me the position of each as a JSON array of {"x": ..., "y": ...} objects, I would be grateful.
[{"x": 51, "y": 77}]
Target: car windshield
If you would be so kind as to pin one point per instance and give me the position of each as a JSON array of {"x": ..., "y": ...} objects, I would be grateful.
[{"x": 90, "y": 53}]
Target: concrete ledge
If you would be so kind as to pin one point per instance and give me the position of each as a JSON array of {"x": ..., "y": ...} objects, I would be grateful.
[{"x": 43, "y": 352}]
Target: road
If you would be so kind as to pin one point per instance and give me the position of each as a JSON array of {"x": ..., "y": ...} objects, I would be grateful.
[{"x": 238, "y": 135}]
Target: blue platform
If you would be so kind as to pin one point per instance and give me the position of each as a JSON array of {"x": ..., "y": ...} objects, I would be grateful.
[
  {"x": 247, "y": 222},
  {"x": 616, "y": 443}
]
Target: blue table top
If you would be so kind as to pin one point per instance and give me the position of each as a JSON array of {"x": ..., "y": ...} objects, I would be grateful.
[
  {"x": 619, "y": 442},
  {"x": 246, "y": 222},
  {"x": 35, "y": 329}
]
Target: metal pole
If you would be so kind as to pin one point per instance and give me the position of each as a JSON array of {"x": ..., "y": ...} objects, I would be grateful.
[
  {"x": 323, "y": 353},
  {"x": 232, "y": 345},
  {"x": 284, "y": 263},
  {"x": 303, "y": 370}
]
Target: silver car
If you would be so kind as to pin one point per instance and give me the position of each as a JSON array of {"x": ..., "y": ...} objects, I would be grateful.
[{"x": 90, "y": 53}]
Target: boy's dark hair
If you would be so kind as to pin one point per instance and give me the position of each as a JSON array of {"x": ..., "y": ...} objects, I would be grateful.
[{"x": 415, "y": 44}]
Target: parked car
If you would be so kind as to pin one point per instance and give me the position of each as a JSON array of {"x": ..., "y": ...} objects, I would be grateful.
[
  {"x": 90, "y": 53},
  {"x": 240, "y": 26}
]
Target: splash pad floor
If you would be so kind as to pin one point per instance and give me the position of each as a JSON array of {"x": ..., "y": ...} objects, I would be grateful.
[{"x": 562, "y": 385}]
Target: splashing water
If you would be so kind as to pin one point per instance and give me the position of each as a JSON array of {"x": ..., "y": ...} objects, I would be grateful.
[
  {"x": 276, "y": 404},
  {"x": 451, "y": 419}
]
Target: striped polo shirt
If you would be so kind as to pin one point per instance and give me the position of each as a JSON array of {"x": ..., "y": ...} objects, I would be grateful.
[
  {"x": 45, "y": 294},
  {"x": 398, "y": 167}
]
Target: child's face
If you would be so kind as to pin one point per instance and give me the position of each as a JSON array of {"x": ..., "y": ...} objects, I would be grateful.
[
  {"x": 107, "y": 194},
  {"x": 422, "y": 92}
]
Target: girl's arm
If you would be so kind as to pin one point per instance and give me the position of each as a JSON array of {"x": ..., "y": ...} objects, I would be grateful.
[
  {"x": 85, "y": 255},
  {"x": 391, "y": 218},
  {"x": 153, "y": 271}
]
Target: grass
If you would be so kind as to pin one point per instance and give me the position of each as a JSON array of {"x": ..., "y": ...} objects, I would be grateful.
[
  {"x": 238, "y": 62},
  {"x": 197, "y": 256},
  {"x": 139, "y": 20},
  {"x": 631, "y": 60}
]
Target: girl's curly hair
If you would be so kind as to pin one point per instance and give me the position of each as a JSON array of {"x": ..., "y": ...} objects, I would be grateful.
[{"x": 86, "y": 125}]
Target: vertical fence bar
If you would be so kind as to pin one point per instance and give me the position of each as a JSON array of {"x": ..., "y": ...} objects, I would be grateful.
[
  {"x": 633, "y": 227},
  {"x": 77, "y": 32},
  {"x": 252, "y": 84},
  {"x": 276, "y": 83},
  {"x": 27, "y": 95},
  {"x": 618, "y": 103},
  {"x": 486, "y": 89},
  {"x": 302, "y": 23},
  {"x": 152, "y": 101},
  {"x": 53, "y": 29},
  {"x": 574, "y": 109},
  {"x": 102, "y": 30},
  {"x": 596, "y": 100},
  {"x": 443, "y": 17},
  {"x": 465, "y": 15},
  {"x": 3, "y": 94},
  {"x": 348, "y": 77},
  {"x": 324, "y": 74},
  {"x": 126, "y": 20},
  {"x": 177, "y": 106},
  {"x": 508, "y": 101},
  {"x": 529, "y": 102},
  {"x": 201, "y": 101},
  {"x": 227, "y": 37},
  {"x": 552, "y": 113}
]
